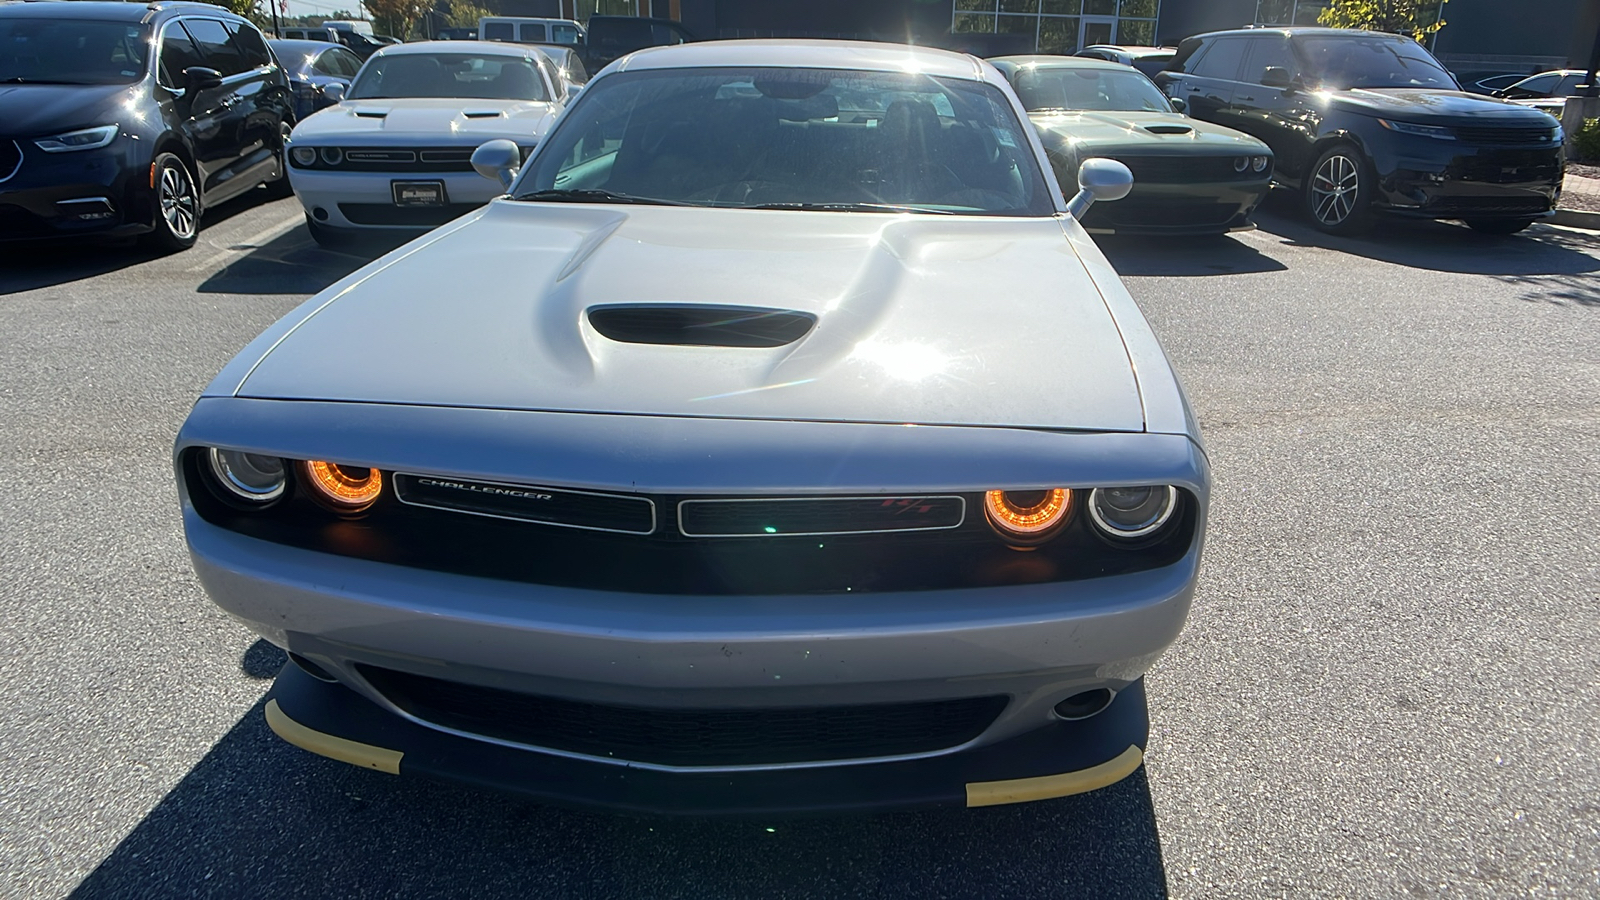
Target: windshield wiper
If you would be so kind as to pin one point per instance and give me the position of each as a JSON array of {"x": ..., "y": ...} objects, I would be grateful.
[
  {"x": 853, "y": 207},
  {"x": 594, "y": 195}
]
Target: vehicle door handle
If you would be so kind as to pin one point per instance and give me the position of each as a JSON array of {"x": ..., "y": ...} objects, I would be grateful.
[
  {"x": 1194, "y": 90},
  {"x": 1248, "y": 99}
]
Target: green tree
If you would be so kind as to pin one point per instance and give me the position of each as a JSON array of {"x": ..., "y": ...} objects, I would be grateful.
[
  {"x": 396, "y": 17},
  {"x": 464, "y": 14},
  {"x": 1417, "y": 18}
]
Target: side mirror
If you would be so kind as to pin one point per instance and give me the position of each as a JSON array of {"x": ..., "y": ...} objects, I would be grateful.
[
  {"x": 1099, "y": 179},
  {"x": 498, "y": 160},
  {"x": 333, "y": 92},
  {"x": 1178, "y": 104},
  {"x": 1276, "y": 77},
  {"x": 200, "y": 78}
]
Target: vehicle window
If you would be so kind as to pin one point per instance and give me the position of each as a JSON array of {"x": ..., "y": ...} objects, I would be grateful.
[
  {"x": 177, "y": 54},
  {"x": 1538, "y": 84},
  {"x": 531, "y": 33},
  {"x": 1367, "y": 62},
  {"x": 1066, "y": 87},
  {"x": 563, "y": 34},
  {"x": 548, "y": 70},
  {"x": 71, "y": 51},
  {"x": 788, "y": 137},
  {"x": 1222, "y": 59},
  {"x": 1567, "y": 87},
  {"x": 251, "y": 46},
  {"x": 216, "y": 48},
  {"x": 498, "y": 31},
  {"x": 327, "y": 63},
  {"x": 459, "y": 75},
  {"x": 1265, "y": 52},
  {"x": 575, "y": 71},
  {"x": 346, "y": 64}
]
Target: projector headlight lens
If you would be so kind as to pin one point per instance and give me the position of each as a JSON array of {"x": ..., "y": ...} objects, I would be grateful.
[
  {"x": 248, "y": 476},
  {"x": 1132, "y": 512}
]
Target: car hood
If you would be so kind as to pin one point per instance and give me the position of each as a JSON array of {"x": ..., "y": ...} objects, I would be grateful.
[
  {"x": 406, "y": 120},
  {"x": 1156, "y": 133},
  {"x": 1437, "y": 107},
  {"x": 920, "y": 319},
  {"x": 39, "y": 109}
]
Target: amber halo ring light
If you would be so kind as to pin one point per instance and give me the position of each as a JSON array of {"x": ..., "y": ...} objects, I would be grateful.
[
  {"x": 1028, "y": 517},
  {"x": 342, "y": 488}
]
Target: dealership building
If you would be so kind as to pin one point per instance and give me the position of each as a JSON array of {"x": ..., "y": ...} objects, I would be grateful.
[{"x": 1478, "y": 34}]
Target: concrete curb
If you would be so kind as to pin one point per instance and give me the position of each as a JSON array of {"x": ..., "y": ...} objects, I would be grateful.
[{"x": 1575, "y": 218}]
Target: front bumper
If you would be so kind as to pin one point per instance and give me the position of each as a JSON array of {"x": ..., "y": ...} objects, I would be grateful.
[
  {"x": 1428, "y": 178},
  {"x": 101, "y": 192},
  {"x": 365, "y": 201},
  {"x": 1180, "y": 209},
  {"x": 1056, "y": 760}
]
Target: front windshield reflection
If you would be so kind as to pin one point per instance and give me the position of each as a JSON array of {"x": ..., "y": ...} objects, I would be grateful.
[
  {"x": 1377, "y": 62},
  {"x": 71, "y": 51}
]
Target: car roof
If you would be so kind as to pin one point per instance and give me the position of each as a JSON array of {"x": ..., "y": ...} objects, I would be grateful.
[
  {"x": 107, "y": 10},
  {"x": 476, "y": 48},
  {"x": 1132, "y": 50},
  {"x": 294, "y": 46},
  {"x": 1061, "y": 62},
  {"x": 1293, "y": 30},
  {"x": 809, "y": 54}
]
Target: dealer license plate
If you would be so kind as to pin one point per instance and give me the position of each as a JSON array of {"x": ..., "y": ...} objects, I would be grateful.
[{"x": 418, "y": 193}]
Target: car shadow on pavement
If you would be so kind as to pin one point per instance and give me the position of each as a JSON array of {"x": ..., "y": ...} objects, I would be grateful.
[
  {"x": 1440, "y": 246},
  {"x": 291, "y": 263},
  {"x": 1183, "y": 256},
  {"x": 258, "y": 817}
]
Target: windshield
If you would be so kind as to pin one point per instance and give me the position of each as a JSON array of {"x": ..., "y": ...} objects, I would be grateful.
[
  {"x": 456, "y": 75},
  {"x": 1069, "y": 87},
  {"x": 71, "y": 51},
  {"x": 1375, "y": 62},
  {"x": 797, "y": 138}
]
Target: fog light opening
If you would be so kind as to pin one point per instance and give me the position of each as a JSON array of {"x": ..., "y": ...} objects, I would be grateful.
[
  {"x": 312, "y": 669},
  {"x": 320, "y": 214},
  {"x": 1085, "y": 704}
]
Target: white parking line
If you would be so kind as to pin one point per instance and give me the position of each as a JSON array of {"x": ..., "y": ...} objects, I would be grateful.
[{"x": 253, "y": 242}]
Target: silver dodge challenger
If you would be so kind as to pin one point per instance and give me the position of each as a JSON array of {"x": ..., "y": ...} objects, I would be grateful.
[{"x": 778, "y": 443}]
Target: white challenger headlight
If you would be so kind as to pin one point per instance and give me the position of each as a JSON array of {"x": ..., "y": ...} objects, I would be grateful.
[
  {"x": 332, "y": 155},
  {"x": 1132, "y": 512},
  {"x": 1433, "y": 131},
  {"x": 83, "y": 139},
  {"x": 1259, "y": 163},
  {"x": 248, "y": 476},
  {"x": 304, "y": 156}
]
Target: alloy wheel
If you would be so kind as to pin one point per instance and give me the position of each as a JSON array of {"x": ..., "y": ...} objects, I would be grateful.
[
  {"x": 178, "y": 205},
  {"x": 1334, "y": 189}
]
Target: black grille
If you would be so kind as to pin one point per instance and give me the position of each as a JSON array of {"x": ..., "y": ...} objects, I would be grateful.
[
  {"x": 1159, "y": 213},
  {"x": 705, "y": 326},
  {"x": 1513, "y": 135},
  {"x": 690, "y": 737},
  {"x": 1185, "y": 169},
  {"x": 393, "y": 156},
  {"x": 406, "y": 160},
  {"x": 833, "y": 515},
  {"x": 415, "y": 216},
  {"x": 573, "y": 509},
  {"x": 10, "y": 158}
]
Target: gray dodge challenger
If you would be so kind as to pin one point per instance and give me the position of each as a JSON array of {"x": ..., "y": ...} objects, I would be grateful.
[{"x": 778, "y": 443}]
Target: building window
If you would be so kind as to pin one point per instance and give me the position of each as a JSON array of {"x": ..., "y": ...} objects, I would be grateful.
[
  {"x": 1061, "y": 26},
  {"x": 1289, "y": 12}
]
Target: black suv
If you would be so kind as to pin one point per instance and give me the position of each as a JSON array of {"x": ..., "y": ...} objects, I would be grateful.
[
  {"x": 122, "y": 118},
  {"x": 1362, "y": 121}
]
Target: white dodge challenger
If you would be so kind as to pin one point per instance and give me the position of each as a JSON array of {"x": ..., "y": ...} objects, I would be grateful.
[
  {"x": 395, "y": 154},
  {"x": 778, "y": 442}
]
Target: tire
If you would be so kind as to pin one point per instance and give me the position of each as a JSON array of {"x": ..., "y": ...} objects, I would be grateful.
[
  {"x": 1498, "y": 226},
  {"x": 279, "y": 188},
  {"x": 175, "y": 206},
  {"x": 1338, "y": 191}
]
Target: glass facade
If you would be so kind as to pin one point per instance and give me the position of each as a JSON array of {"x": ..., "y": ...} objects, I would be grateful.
[
  {"x": 1061, "y": 26},
  {"x": 1289, "y": 12}
]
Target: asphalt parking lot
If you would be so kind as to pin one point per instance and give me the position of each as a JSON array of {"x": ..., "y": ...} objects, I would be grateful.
[{"x": 1388, "y": 685}]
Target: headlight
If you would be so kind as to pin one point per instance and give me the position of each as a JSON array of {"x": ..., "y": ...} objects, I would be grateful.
[
  {"x": 1027, "y": 517},
  {"x": 1433, "y": 131},
  {"x": 332, "y": 155},
  {"x": 341, "y": 488},
  {"x": 248, "y": 476},
  {"x": 1131, "y": 512},
  {"x": 85, "y": 139},
  {"x": 1241, "y": 163},
  {"x": 1258, "y": 163},
  {"x": 304, "y": 156}
]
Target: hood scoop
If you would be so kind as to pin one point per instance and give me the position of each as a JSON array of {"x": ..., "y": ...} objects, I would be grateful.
[
  {"x": 700, "y": 326},
  {"x": 372, "y": 113},
  {"x": 482, "y": 113},
  {"x": 1168, "y": 129}
]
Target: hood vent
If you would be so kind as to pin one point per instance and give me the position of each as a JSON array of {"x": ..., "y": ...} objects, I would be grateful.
[
  {"x": 372, "y": 113},
  {"x": 701, "y": 326},
  {"x": 481, "y": 113},
  {"x": 1168, "y": 129}
]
